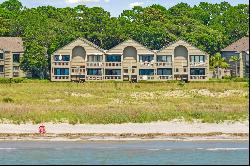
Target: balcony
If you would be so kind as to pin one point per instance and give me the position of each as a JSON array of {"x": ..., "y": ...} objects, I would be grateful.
[
  {"x": 95, "y": 64},
  {"x": 90, "y": 78},
  {"x": 78, "y": 71},
  {"x": 61, "y": 63},
  {"x": 180, "y": 70},
  {"x": 165, "y": 77},
  {"x": 146, "y": 77},
  {"x": 164, "y": 64},
  {"x": 113, "y": 77},
  {"x": 198, "y": 77},
  {"x": 113, "y": 64},
  {"x": 146, "y": 64},
  {"x": 60, "y": 77},
  {"x": 197, "y": 64}
]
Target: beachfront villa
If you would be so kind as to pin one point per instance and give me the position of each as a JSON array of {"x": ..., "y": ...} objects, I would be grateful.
[
  {"x": 11, "y": 51},
  {"x": 239, "y": 48},
  {"x": 82, "y": 60}
]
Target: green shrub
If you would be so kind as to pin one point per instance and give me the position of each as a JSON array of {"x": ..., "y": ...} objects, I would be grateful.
[
  {"x": 8, "y": 100},
  {"x": 227, "y": 77},
  {"x": 238, "y": 79},
  {"x": 30, "y": 80},
  {"x": 5, "y": 80},
  {"x": 17, "y": 80}
]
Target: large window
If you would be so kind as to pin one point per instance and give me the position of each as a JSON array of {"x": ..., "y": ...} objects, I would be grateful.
[
  {"x": 197, "y": 71},
  {"x": 1, "y": 68},
  {"x": 94, "y": 71},
  {"x": 146, "y": 71},
  {"x": 144, "y": 58},
  {"x": 94, "y": 58},
  {"x": 63, "y": 58},
  {"x": 16, "y": 58},
  {"x": 113, "y": 58},
  {"x": 1, "y": 56},
  {"x": 164, "y": 71},
  {"x": 61, "y": 71},
  {"x": 197, "y": 58},
  {"x": 164, "y": 58},
  {"x": 112, "y": 72}
]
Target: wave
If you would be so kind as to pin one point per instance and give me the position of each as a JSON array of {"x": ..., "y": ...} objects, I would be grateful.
[
  {"x": 168, "y": 149},
  {"x": 153, "y": 149},
  {"x": 7, "y": 148},
  {"x": 216, "y": 149}
]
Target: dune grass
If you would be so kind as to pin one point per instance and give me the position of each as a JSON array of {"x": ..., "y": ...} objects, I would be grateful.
[{"x": 116, "y": 102}]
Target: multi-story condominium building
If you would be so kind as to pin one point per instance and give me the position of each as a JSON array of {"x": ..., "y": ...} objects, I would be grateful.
[
  {"x": 11, "y": 51},
  {"x": 239, "y": 48},
  {"x": 82, "y": 60}
]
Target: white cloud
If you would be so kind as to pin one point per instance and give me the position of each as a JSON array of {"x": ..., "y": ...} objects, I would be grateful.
[
  {"x": 106, "y": 1},
  {"x": 80, "y": 1},
  {"x": 131, "y": 5}
]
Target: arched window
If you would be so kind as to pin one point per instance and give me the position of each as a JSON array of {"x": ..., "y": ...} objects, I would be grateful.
[
  {"x": 181, "y": 51},
  {"x": 78, "y": 54},
  {"x": 180, "y": 56},
  {"x": 130, "y": 53}
]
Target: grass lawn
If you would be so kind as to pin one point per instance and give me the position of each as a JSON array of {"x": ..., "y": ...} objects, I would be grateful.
[{"x": 110, "y": 102}]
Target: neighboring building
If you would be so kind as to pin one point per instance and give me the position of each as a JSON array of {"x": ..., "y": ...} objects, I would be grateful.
[
  {"x": 239, "y": 48},
  {"x": 11, "y": 51},
  {"x": 129, "y": 60}
]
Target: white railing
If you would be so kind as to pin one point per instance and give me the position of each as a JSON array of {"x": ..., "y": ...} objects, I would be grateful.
[
  {"x": 146, "y": 77},
  {"x": 59, "y": 77},
  {"x": 113, "y": 64},
  {"x": 88, "y": 77},
  {"x": 146, "y": 64},
  {"x": 164, "y": 64},
  {"x": 113, "y": 77},
  {"x": 78, "y": 71},
  {"x": 95, "y": 64},
  {"x": 165, "y": 77},
  {"x": 198, "y": 77},
  {"x": 62, "y": 63},
  {"x": 197, "y": 64}
]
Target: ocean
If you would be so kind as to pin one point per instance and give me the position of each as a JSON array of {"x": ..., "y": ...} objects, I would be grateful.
[{"x": 125, "y": 152}]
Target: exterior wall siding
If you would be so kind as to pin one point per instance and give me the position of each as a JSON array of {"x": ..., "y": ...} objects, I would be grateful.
[
  {"x": 8, "y": 66},
  {"x": 130, "y": 67}
]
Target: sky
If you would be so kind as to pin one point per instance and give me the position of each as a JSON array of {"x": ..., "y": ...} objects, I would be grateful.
[{"x": 115, "y": 7}]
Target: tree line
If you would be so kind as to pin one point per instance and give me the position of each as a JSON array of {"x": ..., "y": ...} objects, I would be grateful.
[{"x": 44, "y": 29}]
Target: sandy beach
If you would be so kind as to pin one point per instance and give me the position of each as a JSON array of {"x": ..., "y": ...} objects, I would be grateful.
[{"x": 131, "y": 131}]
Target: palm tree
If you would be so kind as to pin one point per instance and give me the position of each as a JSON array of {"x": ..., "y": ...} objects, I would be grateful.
[
  {"x": 218, "y": 62},
  {"x": 235, "y": 59}
]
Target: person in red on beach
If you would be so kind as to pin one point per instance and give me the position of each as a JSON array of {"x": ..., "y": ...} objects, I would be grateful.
[{"x": 42, "y": 129}]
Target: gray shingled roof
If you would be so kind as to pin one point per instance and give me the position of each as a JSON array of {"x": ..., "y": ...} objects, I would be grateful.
[
  {"x": 239, "y": 46},
  {"x": 13, "y": 44}
]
